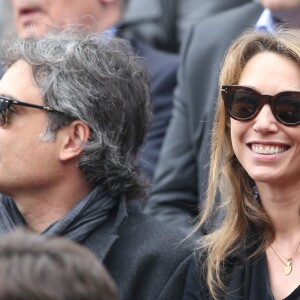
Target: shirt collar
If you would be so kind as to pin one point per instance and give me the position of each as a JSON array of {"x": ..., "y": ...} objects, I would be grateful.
[{"x": 266, "y": 21}]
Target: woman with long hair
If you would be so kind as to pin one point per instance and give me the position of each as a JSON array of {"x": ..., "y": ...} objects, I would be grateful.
[{"x": 255, "y": 167}]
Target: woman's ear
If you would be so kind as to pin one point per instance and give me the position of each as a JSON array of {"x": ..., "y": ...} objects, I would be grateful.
[{"x": 73, "y": 137}]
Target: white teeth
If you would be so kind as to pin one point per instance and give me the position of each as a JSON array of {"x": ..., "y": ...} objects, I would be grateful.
[{"x": 267, "y": 149}]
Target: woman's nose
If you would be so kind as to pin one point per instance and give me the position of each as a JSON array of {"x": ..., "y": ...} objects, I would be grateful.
[{"x": 265, "y": 121}]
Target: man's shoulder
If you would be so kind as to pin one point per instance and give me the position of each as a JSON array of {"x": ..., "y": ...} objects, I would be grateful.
[
  {"x": 153, "y": 54},
  {"x": 162, "y": 68},
  {"x": 148, "y": 260},
  {"x": 159, "y": 237}
]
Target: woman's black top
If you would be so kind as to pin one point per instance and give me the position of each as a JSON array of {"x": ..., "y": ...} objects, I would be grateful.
[{"x": 248, "y": 280}]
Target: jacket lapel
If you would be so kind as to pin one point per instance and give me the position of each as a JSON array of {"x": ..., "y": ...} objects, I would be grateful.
[{"x": 102, "y": 239}]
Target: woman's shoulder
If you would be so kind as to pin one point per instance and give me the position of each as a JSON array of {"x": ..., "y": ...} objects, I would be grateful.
[{"x": 196, "y": 287}]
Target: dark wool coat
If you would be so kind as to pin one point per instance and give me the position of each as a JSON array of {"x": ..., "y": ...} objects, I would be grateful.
[{"x": 145, "y": 258}]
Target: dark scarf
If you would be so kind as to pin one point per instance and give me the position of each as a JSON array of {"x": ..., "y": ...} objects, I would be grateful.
[{"x": 82, "y": 219}]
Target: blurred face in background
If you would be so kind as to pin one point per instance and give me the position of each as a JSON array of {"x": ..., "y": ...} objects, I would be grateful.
[
  {"x": 37, "y": 16},
  {"x": 286, "y": 10},
  {"x": 280, "y": 4}
]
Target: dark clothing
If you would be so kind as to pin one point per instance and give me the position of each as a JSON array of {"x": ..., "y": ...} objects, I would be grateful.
[
  {"x": 146, "y": 259},
  {"x": 165, "y": 23},
  {"x": 246, "y": 281},
  {"x": 162, "y": 67},
  {"x": 180, "y": 180}
]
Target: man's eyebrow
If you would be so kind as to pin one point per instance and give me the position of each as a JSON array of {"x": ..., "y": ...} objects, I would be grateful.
[{"x": 7, "y": 96}]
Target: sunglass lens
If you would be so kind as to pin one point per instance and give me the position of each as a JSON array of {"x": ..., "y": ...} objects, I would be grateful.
[
  {"x": 2, "y": 118},
  {"x": 242, "y": 104},
  {"x": 288, "y": 109},
  {"x": 3, "y": 107}
]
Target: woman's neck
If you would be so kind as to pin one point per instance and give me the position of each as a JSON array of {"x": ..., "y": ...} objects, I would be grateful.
[{"x": 282, "y": 205}]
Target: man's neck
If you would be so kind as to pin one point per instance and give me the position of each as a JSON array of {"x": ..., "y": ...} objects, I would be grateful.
[
  {"x": 42, "y": 208},
  {"x": 281, "y": 203}
]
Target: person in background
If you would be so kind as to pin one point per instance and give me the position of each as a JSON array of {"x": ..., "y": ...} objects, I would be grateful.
[
  {"x": 38, "y": 268},
  {"x": 74, "y": 110},
  {"x": 181, "y": 178},
  {"x": 37, "y": 17},
  {"x": 165, "y": 23},
  {"x": 5, "y": 21},
  {"x": 255, "y": 252},
  {"x": 5, "y": 17}
]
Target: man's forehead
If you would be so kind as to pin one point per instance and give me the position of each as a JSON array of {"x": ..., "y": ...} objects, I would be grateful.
[
  {"x": 18, "y": 82},
  {"x": 19, "y": 68}
]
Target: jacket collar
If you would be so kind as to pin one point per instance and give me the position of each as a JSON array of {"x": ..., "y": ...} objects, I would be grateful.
[{"x": 102, "y": 239}]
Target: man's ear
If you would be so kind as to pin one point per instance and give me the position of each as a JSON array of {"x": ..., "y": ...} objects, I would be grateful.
[{"x": 73, "y": 137}]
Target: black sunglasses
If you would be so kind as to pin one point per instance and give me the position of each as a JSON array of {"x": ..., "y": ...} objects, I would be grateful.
[
  {"x": 5, "y": 104},
  {"x": 244, "y": 103}
]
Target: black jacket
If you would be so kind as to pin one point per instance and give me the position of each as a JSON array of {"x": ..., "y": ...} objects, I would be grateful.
[
  {"x": 145, "y": 258},
  {"x": 248, "y": 280}
]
